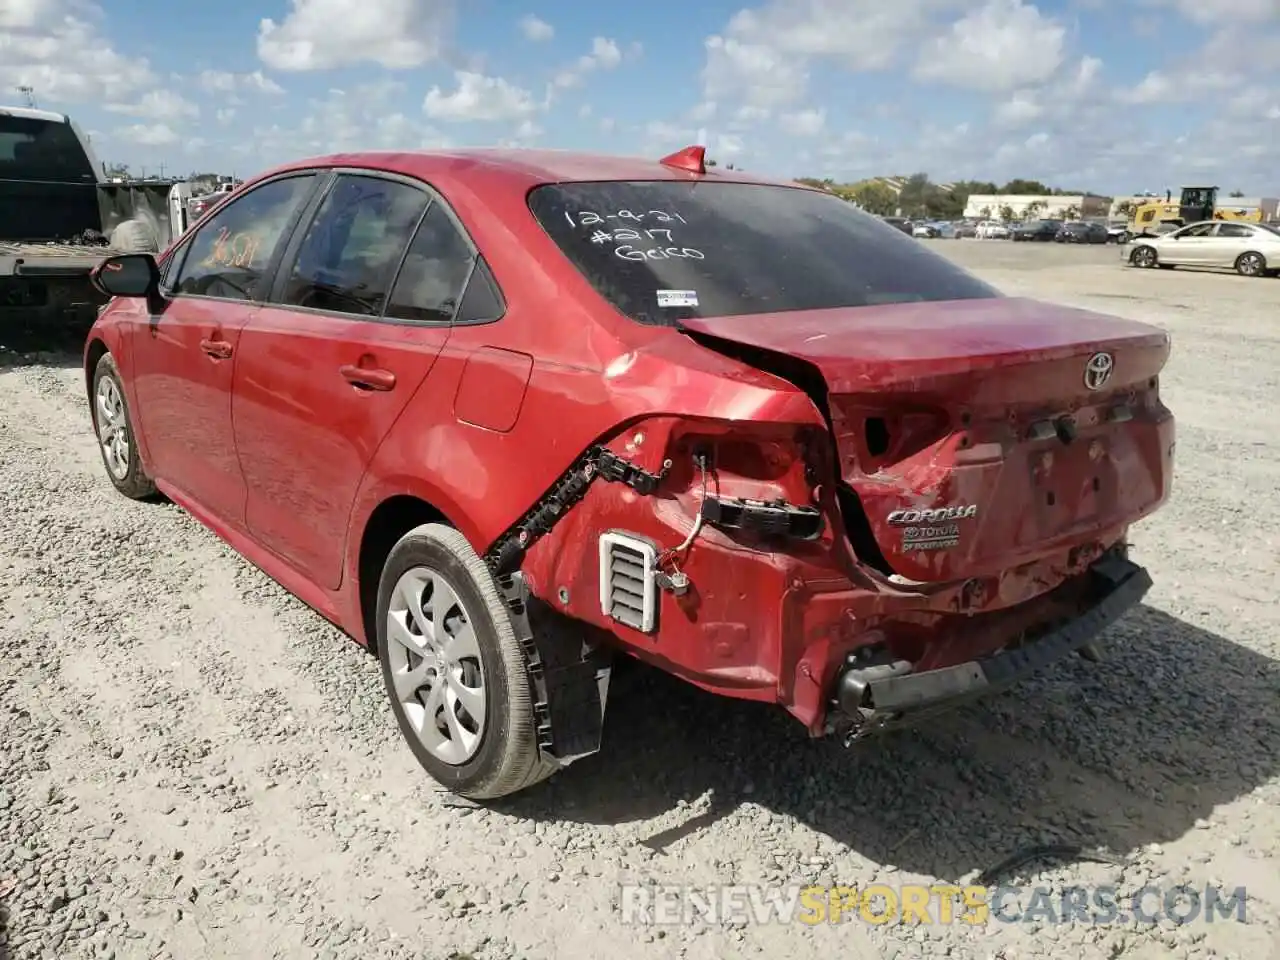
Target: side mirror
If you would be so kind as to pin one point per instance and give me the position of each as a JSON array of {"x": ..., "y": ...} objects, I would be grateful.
[{"x": 127, "y": 275}]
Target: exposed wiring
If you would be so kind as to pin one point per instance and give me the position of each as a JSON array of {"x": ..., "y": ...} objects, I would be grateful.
[{"x": 669, "y": 555}]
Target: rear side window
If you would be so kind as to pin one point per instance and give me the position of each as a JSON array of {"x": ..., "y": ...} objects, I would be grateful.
[
  {"x": 660, "y": 251},
  {"x": 351, "y": 250},
  {"x": 429, "y": 287}
]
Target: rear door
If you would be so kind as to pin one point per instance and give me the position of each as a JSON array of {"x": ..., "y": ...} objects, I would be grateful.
[
  {"x": 1229, "y": 241},
  {"x": 360, "y": 310}
]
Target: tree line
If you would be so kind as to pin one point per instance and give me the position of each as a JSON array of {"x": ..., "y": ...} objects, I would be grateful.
[{"x": 920, "y": 197}]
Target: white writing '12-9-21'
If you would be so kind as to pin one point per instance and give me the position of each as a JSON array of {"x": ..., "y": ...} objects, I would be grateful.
[{"x": 588, "y": 218}]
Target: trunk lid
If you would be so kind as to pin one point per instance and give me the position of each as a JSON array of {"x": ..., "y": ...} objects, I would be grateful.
[{"x": 979, "y": 434}]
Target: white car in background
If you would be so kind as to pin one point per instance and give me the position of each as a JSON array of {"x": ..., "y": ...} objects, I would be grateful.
[
  {"x": 992, "y": 230},
  {"x": 1250, "y": 249}
]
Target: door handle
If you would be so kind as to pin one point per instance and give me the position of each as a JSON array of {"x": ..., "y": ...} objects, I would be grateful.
[
  {"x": 218, "y": 349},
  {"x": 368, "y": 378}
]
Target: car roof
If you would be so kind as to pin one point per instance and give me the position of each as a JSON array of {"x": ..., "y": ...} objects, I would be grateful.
[{"x": 525, "y": 167}]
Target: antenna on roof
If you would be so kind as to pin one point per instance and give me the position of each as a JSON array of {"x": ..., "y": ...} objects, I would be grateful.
[{"x": 691, "y": 158}]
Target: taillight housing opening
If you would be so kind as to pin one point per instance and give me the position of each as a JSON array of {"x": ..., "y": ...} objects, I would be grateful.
[{"x": 876, "y": 437}]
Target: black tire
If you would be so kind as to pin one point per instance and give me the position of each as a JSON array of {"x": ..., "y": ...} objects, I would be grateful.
[
  {"x": 506, "y": 759},
  {"x": 132, "y": 481},
  {"x": 1143, "y": 256},
  {"x": 1251, "y": 264}
]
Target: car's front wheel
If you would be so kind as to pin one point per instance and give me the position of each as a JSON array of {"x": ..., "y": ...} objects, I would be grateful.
[
  {"x": 453, "y": 668},
  {"x": 113, "y": 425}
]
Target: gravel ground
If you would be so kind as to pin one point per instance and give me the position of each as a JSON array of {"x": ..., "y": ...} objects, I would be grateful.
[{"x": 196, "y": 766}]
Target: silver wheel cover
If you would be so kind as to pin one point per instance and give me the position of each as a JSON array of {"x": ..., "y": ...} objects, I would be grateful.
[{"x": 436, "y": 669}]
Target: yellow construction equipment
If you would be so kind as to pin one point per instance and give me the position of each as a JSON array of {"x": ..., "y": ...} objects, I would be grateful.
[{"x": 1195, "y": 204}]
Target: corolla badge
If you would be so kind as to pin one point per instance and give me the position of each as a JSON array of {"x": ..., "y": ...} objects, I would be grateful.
[
  {"x": 931, "y": 529},
  {"x": 958, "y": 512},
  {"x": 1098, "y": 370}
]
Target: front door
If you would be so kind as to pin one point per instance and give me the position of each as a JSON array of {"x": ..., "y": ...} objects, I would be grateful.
[
  {"x": 1191, "y": 246},
  {"x": 328, "y": 366},
  {"x": 183, "y": 357}
]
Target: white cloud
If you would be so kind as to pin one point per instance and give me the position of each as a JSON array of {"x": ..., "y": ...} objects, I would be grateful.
[
  {"x": 479, "y": 97},
  {"x": 323, "y": 34},
  {"x": 1002, "y": 45},
  {"x": 760, "y": 73},
  {"x": 1217, "y": 12},
  {"x": 1023, "y": 107},
  {"x": 804, "y": 123},
  {"x": 535, "y": 29},
  {"x": 57, "y": 48},
  {"x": 525, "y": 134},
  {"x": 1192, "y": 83},
  {"x": 605, "y": 55},
  {"x": 702, "y": 112},
  {"x": 221, "y": 81},
  {"x": 23, "y": 14},
  {"x": 361, "y": 118},
  {"x": 158, "y": 105},
  {"x": 763, "y": 55},
  {"x": 149, "y": 134}
]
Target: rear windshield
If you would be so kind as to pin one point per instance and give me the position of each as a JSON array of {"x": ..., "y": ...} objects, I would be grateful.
[
  {"x": 36, "y": 149},
  {"x": 662, "y": 251}
]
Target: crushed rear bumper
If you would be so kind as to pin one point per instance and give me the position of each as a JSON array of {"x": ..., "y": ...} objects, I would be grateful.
[{"x": 891, "y": 696}]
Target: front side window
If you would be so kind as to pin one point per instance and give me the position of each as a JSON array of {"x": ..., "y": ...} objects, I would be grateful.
[
  {"x": 1195, "y": 230},
  {"x": 662, "y": 251},
  {"x": 228, "y": 256},
  {"x": 351, "y": 250}
]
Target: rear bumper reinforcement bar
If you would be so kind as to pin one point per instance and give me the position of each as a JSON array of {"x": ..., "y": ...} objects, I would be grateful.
[{"x": 890, "y": 701}]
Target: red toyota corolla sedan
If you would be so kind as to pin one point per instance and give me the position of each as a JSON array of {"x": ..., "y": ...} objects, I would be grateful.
[{"x": 500, "y": 415}]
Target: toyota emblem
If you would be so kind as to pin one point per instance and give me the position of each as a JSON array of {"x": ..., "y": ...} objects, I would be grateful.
[{"x": 1098, "y": 370}]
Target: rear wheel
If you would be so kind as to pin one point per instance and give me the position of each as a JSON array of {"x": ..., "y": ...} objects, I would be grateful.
[
  {"x": 453, "y": 669},
  {"x": 1143, "y": 256},
  {"x": 1251, "y": 264},
  {"x": 113, "y": 425}
]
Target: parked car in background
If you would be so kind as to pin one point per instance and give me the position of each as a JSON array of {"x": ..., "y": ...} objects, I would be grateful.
[
  {"x": 1043, "y": 231},
  {"x": 900, "y": 223},
  {"x": 965, "y": 229},
  {"x": 505, "y": 415},
  {"x": 1118, "y": 231},
  {"x": 992, "y": 230},
  {"x": 935, "y": 229},
  {"x": 198, "y": 206},
  {"x": 1082, "y": 231},
  {"x": 1251, "y": 249}
]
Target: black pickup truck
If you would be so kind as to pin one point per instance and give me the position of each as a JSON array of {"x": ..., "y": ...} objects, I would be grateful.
[{"x": 60, "y": 216}]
